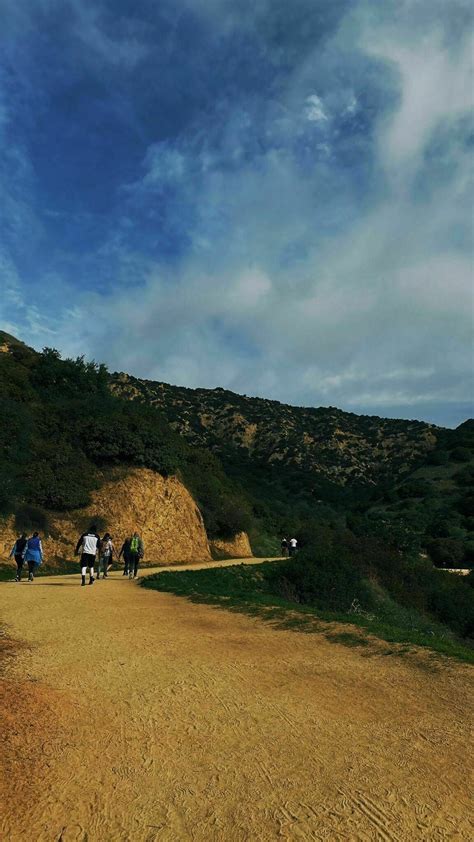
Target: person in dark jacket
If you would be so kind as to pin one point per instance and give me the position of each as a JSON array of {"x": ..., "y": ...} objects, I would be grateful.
[
  {"x": 33, "y": 554},
  {"x": 88, "y": 545},
  {"x": 125, "y": 552},
  {"x": 18, "y": 551},
  {"x": 137, "y": 551}
]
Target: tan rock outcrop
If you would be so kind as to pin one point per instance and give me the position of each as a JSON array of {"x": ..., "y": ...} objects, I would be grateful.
[
  {"x": 236, "y": 547},
  {"x": 161, "y": 510}
]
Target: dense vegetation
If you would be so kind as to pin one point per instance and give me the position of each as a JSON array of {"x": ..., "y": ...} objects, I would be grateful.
[
  {"x": 339, "y": 577},
  {"x": 334, "y": 570},
  {"x": 61, "y": 430},
  {"x": 324, "y": 441},
  {"x": 432, "y": 509}
]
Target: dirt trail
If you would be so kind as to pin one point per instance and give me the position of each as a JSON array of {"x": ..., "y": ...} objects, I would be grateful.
[{"x": 139, "y": 716}]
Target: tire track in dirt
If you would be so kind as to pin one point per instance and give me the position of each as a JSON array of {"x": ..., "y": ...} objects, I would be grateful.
[{"x": 175, "y": 721}]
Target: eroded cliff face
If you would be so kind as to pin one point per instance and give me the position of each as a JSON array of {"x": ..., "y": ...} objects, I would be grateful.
[
  {"x": 236, "y": 547},
  {"x": 161, "y": 510}
]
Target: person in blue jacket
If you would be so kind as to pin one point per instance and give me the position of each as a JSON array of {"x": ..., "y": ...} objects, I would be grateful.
[{"x": 33, "y": 554}]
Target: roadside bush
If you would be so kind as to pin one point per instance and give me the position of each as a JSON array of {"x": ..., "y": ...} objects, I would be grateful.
[
  {"x": 446, "y": 552},
  {"x": 451, "y": 602},
  {"x": 324, "y": 577},
  {"x": 468, "y": 553}
]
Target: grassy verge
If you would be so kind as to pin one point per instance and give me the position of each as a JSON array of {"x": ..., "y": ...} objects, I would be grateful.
[{"x": 246, "y": 589}]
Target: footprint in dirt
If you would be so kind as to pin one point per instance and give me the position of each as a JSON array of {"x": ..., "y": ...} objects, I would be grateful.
[{"x": 73, "y": 833}]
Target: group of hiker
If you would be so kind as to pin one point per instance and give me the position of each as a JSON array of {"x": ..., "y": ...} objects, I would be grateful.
[
  {"x": 289, "y": 547},
  {"x": 91, "y": 548},
  {"x": 90, "y": 545}
]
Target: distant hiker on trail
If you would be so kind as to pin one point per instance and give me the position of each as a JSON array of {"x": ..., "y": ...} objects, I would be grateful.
[
  {"x": 137, "y": 551},
  {"x": 33, "y": 554},
  {"x": 18, "y": 551},
  {"x": 293, "y": 546},
  {"x": 284, "y": 546},
  {"x": 107, "y": 551},
  {"x": 89, "y": 545},
  {"x": 125, "y": 552}
]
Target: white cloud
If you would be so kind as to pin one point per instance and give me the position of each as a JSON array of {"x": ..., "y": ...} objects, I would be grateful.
[
  {"x": 436, "y": 88},
  {"x": 294, "y": 287},
  {"x": 314, "y": 109}
]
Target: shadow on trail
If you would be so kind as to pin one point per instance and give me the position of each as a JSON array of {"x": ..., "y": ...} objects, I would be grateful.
[{"x": 56, "y": 584}]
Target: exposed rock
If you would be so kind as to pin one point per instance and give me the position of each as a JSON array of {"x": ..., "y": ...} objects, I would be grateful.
[
  {"x": 162, "y": 511},
  {"x": 236, "y": 547}
]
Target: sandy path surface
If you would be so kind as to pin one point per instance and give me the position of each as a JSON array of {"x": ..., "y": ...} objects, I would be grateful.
[{"x": 134, "y": 715}]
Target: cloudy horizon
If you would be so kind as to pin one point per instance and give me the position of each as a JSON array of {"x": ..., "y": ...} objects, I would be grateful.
[{"x": 272, "y": 198}]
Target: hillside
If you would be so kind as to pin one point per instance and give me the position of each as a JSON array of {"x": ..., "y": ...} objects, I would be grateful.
[
  {"x": 251, "y": 465},
  {"x": 69, "y": 450},
  {"x": 340, "y": 446},
  {"x": 432, "y": 508}
]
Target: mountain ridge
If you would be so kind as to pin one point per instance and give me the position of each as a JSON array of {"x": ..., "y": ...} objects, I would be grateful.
[{"x": 342, "y": 446}]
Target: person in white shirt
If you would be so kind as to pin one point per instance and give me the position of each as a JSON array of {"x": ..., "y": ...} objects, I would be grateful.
[
  {"x": 293, "y": 546},
  {"x": 89, "y": 546}
]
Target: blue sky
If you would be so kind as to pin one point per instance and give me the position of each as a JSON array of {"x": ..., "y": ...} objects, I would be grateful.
[{"x": 267, "y": 196}]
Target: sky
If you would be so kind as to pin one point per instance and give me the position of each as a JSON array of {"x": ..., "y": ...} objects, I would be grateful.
[{"x": 271, "y": 197}]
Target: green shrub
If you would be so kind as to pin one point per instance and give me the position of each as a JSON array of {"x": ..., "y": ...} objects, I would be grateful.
[
  {"x": 415, "y": 488},
  {"x": 461, "y": 454},
  {"x": 451, "y": 602},
  {"x": 437, "y": 457},
  {"x": 466, "y": 506},
  {"x": 468, "y": 560},
  {"x": 324, "y": 577},
  {"x": 465, "y": 477},
  {"x": 446, "y": 552}
]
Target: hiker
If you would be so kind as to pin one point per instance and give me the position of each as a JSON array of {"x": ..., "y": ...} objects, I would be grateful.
[
  {"x": 293, "y": 546},
  {"x": 125, "y": 552},
  {"x": 33, "y": 554},
  {"x": 284, "y": 546},
  {"x": 89, "y": 545},
  {"x": 107, "y": 551},
  {"x": 18, "y": 551},
  {"x": 137, "y": 551}
]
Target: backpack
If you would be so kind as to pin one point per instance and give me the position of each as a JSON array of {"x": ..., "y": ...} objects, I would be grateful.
[{"x": 134, "y": 544}]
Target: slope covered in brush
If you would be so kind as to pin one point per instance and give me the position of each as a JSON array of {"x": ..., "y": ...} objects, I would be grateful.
[
  {"x": 340, "y": 446},
  {"x": 62, "y": 430}
]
